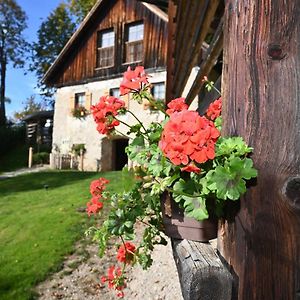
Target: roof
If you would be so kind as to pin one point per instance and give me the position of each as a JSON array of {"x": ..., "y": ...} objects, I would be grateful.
[
  {"x": 39, "y": 115},
  {"x": 88, "y": 20}
]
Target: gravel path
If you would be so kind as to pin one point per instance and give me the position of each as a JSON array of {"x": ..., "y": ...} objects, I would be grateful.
[
  {"x": 34, "y": 169},
  {"x": 80, "y": 277}
]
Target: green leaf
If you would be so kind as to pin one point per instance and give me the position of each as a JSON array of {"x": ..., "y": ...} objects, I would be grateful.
[
  {"x": 195, "y": 207},
  {"x": 228, "y": 181},
  {"x": 232, "y": 145}
]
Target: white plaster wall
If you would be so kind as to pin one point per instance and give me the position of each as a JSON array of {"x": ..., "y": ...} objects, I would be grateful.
[{"x": 68, "y": 130}]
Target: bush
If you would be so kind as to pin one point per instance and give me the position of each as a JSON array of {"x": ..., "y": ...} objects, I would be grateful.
[
  {"x": 77, "y": 148},
  {"x": 11, "y": 137},
  {"x": 40, "y": 158}
]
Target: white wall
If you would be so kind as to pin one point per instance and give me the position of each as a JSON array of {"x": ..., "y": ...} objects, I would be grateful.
[{"x": 68, "y": 130}]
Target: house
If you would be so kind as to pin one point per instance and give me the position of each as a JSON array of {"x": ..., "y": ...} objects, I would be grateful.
[{"x": 114, "y": 35}]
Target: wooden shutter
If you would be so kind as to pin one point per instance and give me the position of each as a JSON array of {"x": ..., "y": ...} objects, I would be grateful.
[
  {"x": 88, "y": 100},
  {"x": 71, "y": 103}
]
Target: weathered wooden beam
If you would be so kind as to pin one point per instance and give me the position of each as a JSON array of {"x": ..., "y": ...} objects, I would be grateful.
[
  {"x": 172, "y": 11},
  {"x": 201, "y": 273},
  {"x": 186, "y": 28},
  {"x": 188, "y": 61},
  {"x": 208, "y": 62},
  {"x": 189, "y": 32},
  {"x": 160, "y": 3},
  {"x": 261, "y": 93}
]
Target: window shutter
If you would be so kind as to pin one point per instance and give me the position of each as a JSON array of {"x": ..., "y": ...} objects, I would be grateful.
[
  {"x": 106, "y": 92},
  {"x": 72, "y": 103},
  {"x": 88, "y": 100},
  {"x": 126, "y": 98}
]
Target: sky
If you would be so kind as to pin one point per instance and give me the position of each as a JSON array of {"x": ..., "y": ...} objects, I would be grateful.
[{"x": 19, "y": 86}]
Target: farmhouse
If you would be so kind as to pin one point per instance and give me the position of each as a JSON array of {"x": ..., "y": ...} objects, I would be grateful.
[{"x": 114, "y": 35}]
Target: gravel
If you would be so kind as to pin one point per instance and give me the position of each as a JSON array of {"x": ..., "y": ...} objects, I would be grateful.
[{"x": 80, "y": 277}]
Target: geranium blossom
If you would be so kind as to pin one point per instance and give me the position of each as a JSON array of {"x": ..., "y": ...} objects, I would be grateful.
[
  {"x": 177, "y": 104},
  {"x": 133, "y": 80},
  {"x": 191, "y": 168},
  {"x": 214, "y": 109},
  {"x": 126, "y": 252},
  {"x": 189, "y": 137},
  {"x": 98, "y": 186},
  {"x": 94, "y": 206},
  {"x": 115, "y": 280},
  {"x": 105, "y": 111}
]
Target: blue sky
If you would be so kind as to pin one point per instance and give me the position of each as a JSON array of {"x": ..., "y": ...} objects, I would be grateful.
[{"x": 19, "y": 86}]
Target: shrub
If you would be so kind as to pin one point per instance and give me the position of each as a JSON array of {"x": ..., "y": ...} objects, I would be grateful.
[
  {"x": 77, "y": 148},
  {"x": 40, "y": 158}
]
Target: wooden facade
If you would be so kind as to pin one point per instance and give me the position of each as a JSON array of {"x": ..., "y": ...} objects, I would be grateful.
[
  {"x": 77, "y": 62},
  {"x": 198, "y": 25}
]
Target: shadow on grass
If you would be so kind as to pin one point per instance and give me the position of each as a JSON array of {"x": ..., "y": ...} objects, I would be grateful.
[{"x": 42, "y": 180}]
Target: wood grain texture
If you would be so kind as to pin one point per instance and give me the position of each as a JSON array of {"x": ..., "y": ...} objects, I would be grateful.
[
  {"x": 261, "y": 102},
  {"x": 201, "y": 273}
]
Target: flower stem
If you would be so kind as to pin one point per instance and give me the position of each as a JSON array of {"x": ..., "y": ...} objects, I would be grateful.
[
  {"x": 124, "y": 123},
  {"x": 120, "y": 133},
  {"x": 182, "y": 193},
  {"x": 138, "y": 121},
  {"x": 152, "y": 102},
  {"x": 212, "y": 86}
]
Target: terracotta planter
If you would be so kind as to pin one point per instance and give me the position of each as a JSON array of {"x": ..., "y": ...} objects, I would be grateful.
[{"x": 178, "y": 226}]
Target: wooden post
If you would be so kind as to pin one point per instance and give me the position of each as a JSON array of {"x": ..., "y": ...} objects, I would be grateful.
[
  {"x": 201, "y": 273},
  {"x": 71, "y": 161},
  {"x": 30, "y": 157},
  {"x": 81, "y": 160},
  {"x": 261, "y": 102}
]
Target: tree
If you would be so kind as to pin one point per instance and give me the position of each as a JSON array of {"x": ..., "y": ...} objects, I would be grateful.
[
  {"x": 30, "y": 107},
  {"x": 53, "y": 34},
  {"x": 80, "y": 8},
  {"x": 12, "y": 44}
]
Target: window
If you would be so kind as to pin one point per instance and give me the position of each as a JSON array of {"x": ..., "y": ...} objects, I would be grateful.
[
  {"x": 105, "y": 48},
  {"x": 158, "y": 90},
  {"x": 134, "y": 42},
  {"x": 79, "y": 100},
  {"x": 114, "y": 92}
]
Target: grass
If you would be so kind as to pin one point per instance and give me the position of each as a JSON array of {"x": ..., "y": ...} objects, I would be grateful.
[
  {"x": 15, "y": 159},
  {"x": 39, "y": 226}
]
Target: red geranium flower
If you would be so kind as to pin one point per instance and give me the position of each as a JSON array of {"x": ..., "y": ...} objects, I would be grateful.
[
  {"x": 115, "y": 279},
  {"x": 98, "y": 186},
  {"x": 189, "y": 137},
  {"x": 214, "y": 109},
  {"x": 191, "y": 168},
  {"x": 133, "y": 80},
  {"x": 104, "y": 111},
  {"x": 126, "y": 252},
  {"x": 177, "y": 104},
  {"x": 94, "y": 206}
]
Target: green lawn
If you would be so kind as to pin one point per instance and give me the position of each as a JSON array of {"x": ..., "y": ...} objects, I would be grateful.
[{"x": 39, "y": 226}]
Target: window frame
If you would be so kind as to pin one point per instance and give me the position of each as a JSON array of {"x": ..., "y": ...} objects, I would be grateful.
[
  {"x": 76, "y": 100},
  {"x": 134, "y": 43},
  {"x": 106, "y": 49},
  {"x": 111, "y": 92},
  {"x": 158, "y": 84}
]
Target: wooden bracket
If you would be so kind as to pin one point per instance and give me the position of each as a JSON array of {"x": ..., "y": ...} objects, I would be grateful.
[{"x": 201, "y": 273}]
